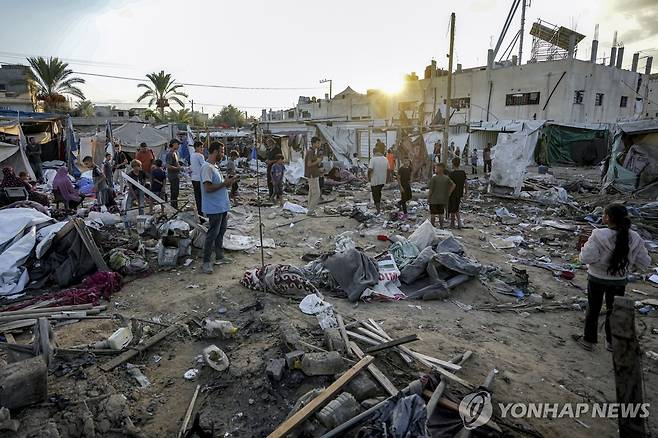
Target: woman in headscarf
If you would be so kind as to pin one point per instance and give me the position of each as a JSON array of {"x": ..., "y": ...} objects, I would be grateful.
[
  {"x": 10, "y": 179},
  {"x": 64, "y": 186}
]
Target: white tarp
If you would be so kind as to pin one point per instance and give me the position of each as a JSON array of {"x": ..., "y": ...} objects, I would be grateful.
[
  {"x": 135, "y": 131},
  {"x": 432, "y": 137},
  {"x": 14, "y": 220},
  {"x": 294, "y": 171},
  {"x": 341, "y": 140},
  {"x": 511, "y": 156}
]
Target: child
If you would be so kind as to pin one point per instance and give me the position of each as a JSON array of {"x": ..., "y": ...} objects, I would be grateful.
[
  {"x": 231, "y": 167},
  {"x": 101, "y": 188},
  {"x": 134, "y": 192},
  {"x": 24, "y": 177},
  {"x": 458, "y": 176},
  {"x": 404, "y": 177},
  {"x": 440, "y": 189},
  {"x": 610, "y": 253},
  {"x": 278, "y": 169},
  {"x": 158, "y": 177},
  {"x": 474, "y": 162}
]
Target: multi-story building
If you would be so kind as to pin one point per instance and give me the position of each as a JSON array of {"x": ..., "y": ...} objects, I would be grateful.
[{"x": 14, "y": 92}]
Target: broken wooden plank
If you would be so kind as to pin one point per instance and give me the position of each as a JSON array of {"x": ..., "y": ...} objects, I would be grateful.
[
  {"x": 113, "y": 363},
  {"x": 376, "y": 373},
  {"x": 188, "y": 413},
  {"x": 47, "y": 309},
  {"x": 315, "y": 404},
  {"x": 90, "y": 244},
  {"x": 151, "y": 195},
  {"x": 343, "y": 334},
  {"x": 380, "y": 339},
  {"x": 15, "y": 325},
  {"x": 393, "y": 343}
]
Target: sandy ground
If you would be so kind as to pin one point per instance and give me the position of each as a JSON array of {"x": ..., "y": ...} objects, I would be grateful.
[{"x": 537, "y": 360}]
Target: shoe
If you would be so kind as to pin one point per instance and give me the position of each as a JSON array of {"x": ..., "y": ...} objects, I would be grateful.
[
  {"x": 583, "y": 343},
  {"x": 608, "y": 346},
  {"x": 223, "y": 260},
  {"x": 207, "y": 268}
]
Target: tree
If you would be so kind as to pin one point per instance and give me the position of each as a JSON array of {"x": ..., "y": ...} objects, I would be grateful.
[
  {"x": 229, "y": 115},
  {"x": 161, "y": 91},
  {"x": 51, "y": 80},
  {"x": 85, "y": 108},
  {"x": 181, "y": 116}
]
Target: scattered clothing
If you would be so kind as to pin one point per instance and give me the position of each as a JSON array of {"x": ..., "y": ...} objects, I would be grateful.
[
  {"x": 285, "y": 280},
  {"x": 353, "y": 270}
]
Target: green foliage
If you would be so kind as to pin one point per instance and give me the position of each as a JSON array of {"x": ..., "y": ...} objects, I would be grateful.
[
  {"x": 161, "y": 91},
  {"x": 50, "y": 80},
  {"x": 231, "y": 116}
]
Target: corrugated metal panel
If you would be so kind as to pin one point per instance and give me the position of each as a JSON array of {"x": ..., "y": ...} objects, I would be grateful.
[
  {"x": 479, "y": 139},
  {"x": 367, "y": 142}
]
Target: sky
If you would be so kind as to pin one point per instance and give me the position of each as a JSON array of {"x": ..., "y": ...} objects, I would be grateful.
[{"x": 291, "y": 44}]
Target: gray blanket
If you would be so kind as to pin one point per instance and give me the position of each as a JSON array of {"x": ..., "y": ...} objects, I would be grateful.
[{"x": 353, "y": 271}]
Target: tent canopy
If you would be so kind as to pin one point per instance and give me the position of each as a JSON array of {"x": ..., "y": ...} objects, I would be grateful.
[
  {"x": 135, "y": 131},
  {"x": 10, "y": 155},
  {"x": 342, "y": 141},
  {"x": 573, "y": 145}
]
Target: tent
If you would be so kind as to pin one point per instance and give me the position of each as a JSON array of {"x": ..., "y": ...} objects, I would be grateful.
[
  {"x": 342, "y": 141},
  {"x": 633, "y": 162},
  {"x": 460, "y": 140},
  {"x": 13, "y": 156},
  {"x": 581, "y": 144},
  {"x": 136, "y": 131},
  {"x": 511, "y": 156}
]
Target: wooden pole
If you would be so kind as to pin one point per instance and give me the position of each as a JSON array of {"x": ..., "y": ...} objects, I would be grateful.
[
  {"x": 626, "y": 359},
  {"x": 446, "y": 116}
]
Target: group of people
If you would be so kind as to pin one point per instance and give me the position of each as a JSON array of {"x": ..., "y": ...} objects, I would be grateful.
[{"x": 473, "y": 157}]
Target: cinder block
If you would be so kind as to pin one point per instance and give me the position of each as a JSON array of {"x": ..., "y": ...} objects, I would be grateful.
[
  {"x": 23, "y": 383},
  {"x": 322, "y": 364},
  {"x": 275, "y": 368}
]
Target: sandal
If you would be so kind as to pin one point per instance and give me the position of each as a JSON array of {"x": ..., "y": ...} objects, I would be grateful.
[{"x": 583, "y": 343}]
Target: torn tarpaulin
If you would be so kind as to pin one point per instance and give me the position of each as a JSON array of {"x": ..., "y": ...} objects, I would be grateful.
[
  {"x": 398, "y": 417},
  {"x": 353, "y": 271}
]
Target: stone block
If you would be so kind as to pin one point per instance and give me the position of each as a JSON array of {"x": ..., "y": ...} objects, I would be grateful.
[
  {"x": 333, "y": 340},
  {"x": 322, "y": 364},
  {"x": 275, "y": 368},
  {"x": 23, "y": 383}
]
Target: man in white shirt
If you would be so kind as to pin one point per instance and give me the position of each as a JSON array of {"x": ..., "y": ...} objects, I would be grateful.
[
  {"x": 377, "y": 172},
  {"x": 196, "y": 163}
]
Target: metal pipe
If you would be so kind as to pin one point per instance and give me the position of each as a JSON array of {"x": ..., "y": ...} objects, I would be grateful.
[{"x": 438, "y": 392}]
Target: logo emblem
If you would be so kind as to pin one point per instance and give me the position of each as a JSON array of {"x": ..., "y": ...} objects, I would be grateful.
[{"x": 476, "y": 409}]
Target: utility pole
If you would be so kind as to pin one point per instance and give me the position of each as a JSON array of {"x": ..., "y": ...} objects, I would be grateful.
[
  {"x": 523, "y": 6},
  {"x": 192, "y": 102},
  {"x": 446, "y": 116},
  {"x": 324, "y": 81}
]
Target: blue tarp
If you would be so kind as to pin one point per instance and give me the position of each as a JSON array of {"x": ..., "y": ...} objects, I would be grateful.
[{"x": 29, "y": 115}]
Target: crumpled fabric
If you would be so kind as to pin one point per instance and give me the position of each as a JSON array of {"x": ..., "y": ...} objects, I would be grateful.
[
  {"x": 283, "y": 280},
  {"x": 91, "y": 290},
  {"x": 401, "y": 417},
  {"x": 126, "y": 262},
  {"x": 353, "y": 270},
  {"x": 418, "y": 267},
  {"x": 316, "y": 273},
  {"x": 404, "y": 252},
  {"x": 450, "y": 245}
]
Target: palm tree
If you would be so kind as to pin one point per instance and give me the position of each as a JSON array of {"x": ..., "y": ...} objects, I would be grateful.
[
  {"x": 181, "y": 116},
  {"x": 51, "y": 79},
  {"x": 161, "y": 91},
  {"x": 151, "y": 114},
  {"x": 85, "y": 108}
]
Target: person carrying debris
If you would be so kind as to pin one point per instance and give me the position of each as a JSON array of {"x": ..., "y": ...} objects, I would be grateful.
[
  {"x": 474, "y": 162},
  {"x": 196, "y": 163},
  {"x": 173, "y": 171},
  {"x": 377, "y": 173},
  {"x": 312, "y": 162},
  {"x": 440, "y": 189},
  {"x": 404, "y": 177},
  {"x": 215, "y": 204},
  {"x": 278, "y": 170},
  {"x": 610, "y": 254},
  {"x": 458, "y": 176},
  {"x": 486, "y": 157}
]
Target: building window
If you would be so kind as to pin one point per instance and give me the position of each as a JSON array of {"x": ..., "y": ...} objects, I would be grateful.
[
  {"x": 599, "y": 99},
  {"x": 522, "y": 99},
  {"x": 624, "y": 102},
  {"x": 3, "y": 88},
  {"x": 578, "y": 96},
  {"x": 461, "y": 102}
]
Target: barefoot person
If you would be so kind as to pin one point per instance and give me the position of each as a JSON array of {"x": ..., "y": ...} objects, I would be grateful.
[{"x": 610, "y": 253}]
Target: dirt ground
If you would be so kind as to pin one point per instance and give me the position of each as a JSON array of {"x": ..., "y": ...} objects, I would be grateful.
[{"x": 533, "y": 351}]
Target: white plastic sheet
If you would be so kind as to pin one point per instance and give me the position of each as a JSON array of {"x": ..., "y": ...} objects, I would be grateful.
[
  {"x": 13, "y": 276},
  {"x": 14, "y": 220},
  {"x": 512, "y": 154},
  {"x": 294, "y": 171},
  {"x": 313, "y": 304},
  {"x": 295, "y": 208}
]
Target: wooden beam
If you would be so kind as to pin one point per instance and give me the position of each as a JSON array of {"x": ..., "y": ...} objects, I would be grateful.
[
  {"x": 151, "y": 195},
  {"x": 369, "y": 331},
  {"x": 626, "y": 359},
  {"x": 90, "y": 244},
  {"x": 47, "y": 309},
  {"x": 393, "y": 343},
  {"x": 188, "y": 413},
  {"x": 315, "y": 404},
  {"x": 113, "y": 363},
  {"x": 343, "y": 334},
  {"x": 376, "y": 373}
]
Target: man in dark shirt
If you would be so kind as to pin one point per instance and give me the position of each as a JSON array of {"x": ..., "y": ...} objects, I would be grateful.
[
  {"x": 134, "y": 192},
  {"x": 404, "y": 177},
  {"x": 273, "y": 150},
  {"x": 458, "y": 176},
  {"x": 173, "y": 171},
  {"x": 158, "y": 178},
  {"x": 34, "y": 157}
]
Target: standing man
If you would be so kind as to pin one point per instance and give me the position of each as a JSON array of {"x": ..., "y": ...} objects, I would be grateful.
[
  {"x": 173, "y": 171},
  {"x": 458, "y": 176},
  {"x": 215, "y": 205},
  {"x": 145, "y": 156},
  {"x": 390, "y": 158},
  {"x": 312, "y": 162},
  {"x": 197, "y": 161},
  {"x": 486, "y": 157},
  {"x": 440, "y": 189},
  {"x": 120, "y": 164},
  {"x": 377, "y": 173},
  {"x": 273, "y": 150},
  {"x": 34, "y": 157},
  {"x": 437, "y": 152}
]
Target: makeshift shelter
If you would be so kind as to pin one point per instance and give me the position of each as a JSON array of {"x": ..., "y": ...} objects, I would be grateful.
[
  {"x": 579, "y": 144},
  {"x": 182, "y": 132},
  {"x": 136, "y": 131},
  {"x": 47, "y": 129},
  {"x": 459, "y": 139},
  {"x": 13, "y": 156},
  {"x": 633, "y": 163},
  {"x": 342, "y": 141},
  {"x": 417, "y": 152}
]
